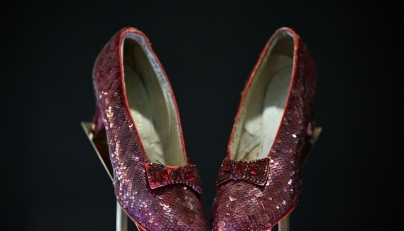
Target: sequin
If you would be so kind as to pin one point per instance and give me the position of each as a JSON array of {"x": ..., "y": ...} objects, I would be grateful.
[
  {"x": 159, "y": 175},
  {"x": 255, "y": 171}
]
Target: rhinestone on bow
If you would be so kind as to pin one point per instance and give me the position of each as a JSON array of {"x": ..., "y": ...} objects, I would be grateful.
[
  {"x": 255, "y": 171},
  {"x": 160, "y": 175}
]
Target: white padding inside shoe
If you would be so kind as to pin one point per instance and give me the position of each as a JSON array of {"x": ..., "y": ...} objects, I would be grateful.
[
  {"x": 274, "y": 105},
  {"x": 151, "y": 104},
  {"x": 263, "y": 109}
]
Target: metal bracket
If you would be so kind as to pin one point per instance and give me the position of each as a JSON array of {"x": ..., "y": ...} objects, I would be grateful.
[{"x": 283, "y": 225}]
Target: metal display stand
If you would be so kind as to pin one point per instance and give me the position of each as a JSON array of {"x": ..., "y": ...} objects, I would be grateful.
[
  {"x": 101, "y": 148},
  {"x": 283, "y": 225}
]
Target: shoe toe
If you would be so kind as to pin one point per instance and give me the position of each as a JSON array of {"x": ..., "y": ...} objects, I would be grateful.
[
  {"x": 173, "y": 207},
  {"x": 240, "y": 205},
  {"x": 180, "y": 208}
]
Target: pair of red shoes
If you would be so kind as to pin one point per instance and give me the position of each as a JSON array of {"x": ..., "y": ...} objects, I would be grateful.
[{"x": 259, "y": 181}]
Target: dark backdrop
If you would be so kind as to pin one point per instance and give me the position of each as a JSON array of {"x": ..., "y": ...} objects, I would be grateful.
[{"x": 52, "y": 179}]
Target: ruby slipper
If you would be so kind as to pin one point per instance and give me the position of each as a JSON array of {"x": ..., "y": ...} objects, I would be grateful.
[
  {"x": 260, "y": 180},
  {"x": 137, "y": 117}
]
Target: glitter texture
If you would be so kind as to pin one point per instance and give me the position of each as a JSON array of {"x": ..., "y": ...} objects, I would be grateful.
[
  {"x": 256, "y": 207},
  {"x": 160, "y": 175},
  {"x": 255, "y": 171},
  {"x": 172, "y": 207}
]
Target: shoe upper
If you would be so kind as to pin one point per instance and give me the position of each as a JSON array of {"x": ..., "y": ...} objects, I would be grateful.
[
  {"x": 174, "y": 204},
  {"x": 260, "y": 181}
]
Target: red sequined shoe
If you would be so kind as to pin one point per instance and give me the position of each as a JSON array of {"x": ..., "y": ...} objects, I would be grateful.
[
  {"x": 260, "y": 181},
  {"x": 154, "y": 182}
]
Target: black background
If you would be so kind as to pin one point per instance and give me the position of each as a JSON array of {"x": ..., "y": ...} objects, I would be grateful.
[{"x": 51, "y": 178}]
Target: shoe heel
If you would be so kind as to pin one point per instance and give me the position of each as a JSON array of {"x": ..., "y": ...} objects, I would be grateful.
[
  {"x": 95, "y": 132},
  {"x": 98, "y": 126}
]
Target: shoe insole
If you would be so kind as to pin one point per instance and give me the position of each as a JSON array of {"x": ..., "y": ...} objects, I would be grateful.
[
  {"x": 143, "y": 116},
  {"x": 260, "y": 130},
  {"x": 274, "y": 106}
]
